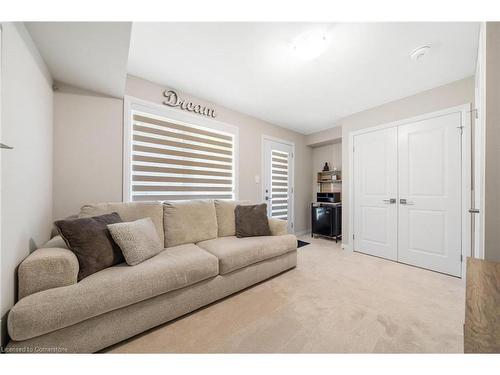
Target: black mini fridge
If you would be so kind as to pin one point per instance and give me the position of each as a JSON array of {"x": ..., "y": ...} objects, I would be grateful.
[{"x": 326, "y": 220}]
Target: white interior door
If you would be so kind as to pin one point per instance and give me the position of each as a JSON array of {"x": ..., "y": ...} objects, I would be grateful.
[
  {"x": 278, "y": 180},
  {"x": 375, "y": 193},
  {"x": 430, "y": 194}
]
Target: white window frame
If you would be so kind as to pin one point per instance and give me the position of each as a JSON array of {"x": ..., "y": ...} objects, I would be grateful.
[{"x": 131, "y": 104}]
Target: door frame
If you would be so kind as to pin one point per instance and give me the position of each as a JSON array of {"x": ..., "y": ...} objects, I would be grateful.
[
  {"x": 478, "y": 156},
  {"x": 263, "y": 172},
  {"x": 466, "y": 193}
]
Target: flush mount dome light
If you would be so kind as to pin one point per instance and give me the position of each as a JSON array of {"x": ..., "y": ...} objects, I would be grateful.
[
  {"x": 310, "y": 44},
  {"x": 418, "y": 53}
]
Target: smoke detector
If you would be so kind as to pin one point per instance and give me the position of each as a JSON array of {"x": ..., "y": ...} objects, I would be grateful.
[{"x": 418, "y": 53}]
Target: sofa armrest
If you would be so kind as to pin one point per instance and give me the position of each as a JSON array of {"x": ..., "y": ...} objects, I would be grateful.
[
  {"x": 47, "y": 268},
  {"x": 278, "y": 227}
]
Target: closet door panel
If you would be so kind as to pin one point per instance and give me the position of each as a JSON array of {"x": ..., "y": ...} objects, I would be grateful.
[
  {"x": 375, "y": 184},
  {"x": 430, "y": 194}
]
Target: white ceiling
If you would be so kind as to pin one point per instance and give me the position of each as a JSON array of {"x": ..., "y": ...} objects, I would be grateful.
[
  {"x": 251, "y": 68},
  {"x": 90, "y": 55}
]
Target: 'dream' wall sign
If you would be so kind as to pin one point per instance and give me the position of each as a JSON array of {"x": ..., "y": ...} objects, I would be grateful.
[{"x": 172, "y": 100}]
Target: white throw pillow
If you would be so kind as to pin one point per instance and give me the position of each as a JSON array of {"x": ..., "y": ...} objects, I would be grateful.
[{"x": 138, "y": 240}]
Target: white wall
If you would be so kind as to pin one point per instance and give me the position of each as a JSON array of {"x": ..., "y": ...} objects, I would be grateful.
[
  {"x": 324, "y": 137},
  {"x": 492, "y": 138},
  {"x": 87, "y": 149},
  {"x": 26, "y": 177},
  {"x": 442, "y": 97},
  {"x": 250, "y": 139},
  {"x": 88, "y": 154},
  {"x": 331, "y": 153}
]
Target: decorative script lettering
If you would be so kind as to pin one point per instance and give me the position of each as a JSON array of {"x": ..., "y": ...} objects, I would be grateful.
[{"x": 172, "y": 100}]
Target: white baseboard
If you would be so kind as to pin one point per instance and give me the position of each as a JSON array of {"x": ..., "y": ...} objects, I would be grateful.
[
  {"x": 302, "y": 232},
  {"x": 345, "y": 246}
]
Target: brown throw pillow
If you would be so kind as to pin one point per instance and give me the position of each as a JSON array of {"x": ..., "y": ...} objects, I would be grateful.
[
  {"x": 91, "y": 241},
  {"x": 251, "y": 221}
]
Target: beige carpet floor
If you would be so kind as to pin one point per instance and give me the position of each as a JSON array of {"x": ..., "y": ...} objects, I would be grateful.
[{"x": 333, "y": 302}]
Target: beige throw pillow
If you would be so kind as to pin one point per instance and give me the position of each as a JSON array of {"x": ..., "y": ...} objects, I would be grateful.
[{"x": 138, "y": 240}]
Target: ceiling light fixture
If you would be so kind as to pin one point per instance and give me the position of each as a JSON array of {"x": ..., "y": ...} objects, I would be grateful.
[
  {"x": 310, "y": 45},
  {"x": 418, "y": 53}
]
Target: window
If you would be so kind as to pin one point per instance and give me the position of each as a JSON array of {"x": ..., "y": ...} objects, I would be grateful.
[
  {"x": 279, "y": 184},
  {"x": 172, "y": 160}
]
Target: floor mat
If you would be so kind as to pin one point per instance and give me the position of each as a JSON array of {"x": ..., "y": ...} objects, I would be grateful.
[{"x": 302, "y": 243}]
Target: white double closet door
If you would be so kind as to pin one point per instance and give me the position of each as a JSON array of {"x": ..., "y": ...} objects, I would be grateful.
[{"x": 407, "y": 193}]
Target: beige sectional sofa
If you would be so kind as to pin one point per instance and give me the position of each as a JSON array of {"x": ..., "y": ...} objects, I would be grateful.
[{"x": 202, "y": 262}]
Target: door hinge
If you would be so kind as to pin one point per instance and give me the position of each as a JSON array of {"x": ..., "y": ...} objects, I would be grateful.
[
  {"x": 461, "y": 257},
  {"x": 291, "y": 154},
  {"x": 353, "y": 236},
  {"x": 291, "y": 190},
  {"x": 291, "y": 224},
  {"x": 461, "y": 129}
]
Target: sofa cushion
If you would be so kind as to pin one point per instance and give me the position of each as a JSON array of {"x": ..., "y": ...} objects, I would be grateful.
[
  {"x": 110, "y": 289},
  {"x": 278, "y": 226},
  {"x": 129, "y": 211},
  {"x": 138, "y": 240},
  {"x": 189, "y": 221},
  {"x": 224, "y": 209},
  {"x": 90, "y": 240},
  {"x": 235, "y": 253}
]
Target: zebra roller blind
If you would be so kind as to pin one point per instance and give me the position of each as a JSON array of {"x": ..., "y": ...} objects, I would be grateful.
[
  {"x": 172, "y": 161},
  {"x": 279, "y": 184}
]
